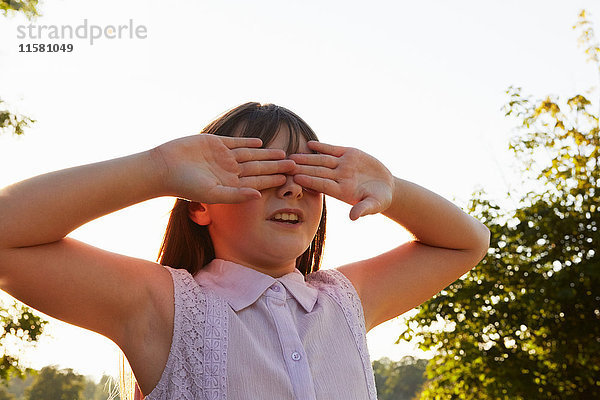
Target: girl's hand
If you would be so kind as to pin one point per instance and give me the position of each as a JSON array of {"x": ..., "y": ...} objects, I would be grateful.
[
  {"x": 219, "y": 169},
  {"x": 348, "y": 174}
]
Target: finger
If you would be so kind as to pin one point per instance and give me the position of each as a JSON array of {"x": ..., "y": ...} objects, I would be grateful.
[
  {"x": 235, "y": 142},
  {"x": 262, "y": 182},
  {"x": 321, "y": 147},
  {"x": 320, "y": 172},
  {"x": 323, "y": 160},
  {"x": 364, "y": 207},
  {"x": 317, "y": 184},
  {"x": 251, "y": 168},
  {"x": 246, "y": 154},
  {"x": 230, "y": 195}
]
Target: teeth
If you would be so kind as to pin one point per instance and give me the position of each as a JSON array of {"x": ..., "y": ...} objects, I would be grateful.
[{"x": 286, "y": 217}]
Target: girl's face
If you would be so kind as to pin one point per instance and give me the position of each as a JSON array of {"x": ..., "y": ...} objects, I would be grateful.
[{"x": 247, "y": 233}]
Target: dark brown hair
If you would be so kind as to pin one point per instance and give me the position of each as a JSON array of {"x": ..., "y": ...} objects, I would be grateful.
[{"x": 187, "y": 245}]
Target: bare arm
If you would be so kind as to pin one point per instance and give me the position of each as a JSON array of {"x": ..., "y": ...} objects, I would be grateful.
[
  {"x": 447, "y": 242},
  {"x": 126, "y": 299},
  {"x": 45, "y": 270},
  {"x": 434, "y": 221},
  {"x": 46, "y": 208}
]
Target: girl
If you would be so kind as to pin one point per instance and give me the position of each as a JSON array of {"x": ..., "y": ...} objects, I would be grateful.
[{"x": 239, "y": 308}]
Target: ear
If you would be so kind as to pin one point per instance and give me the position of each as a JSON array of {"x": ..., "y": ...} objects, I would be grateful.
[{"x": 198, "y": 213}]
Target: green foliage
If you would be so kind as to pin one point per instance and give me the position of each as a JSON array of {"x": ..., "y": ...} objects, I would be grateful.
[
  {"x": 54, "y": 384},
  {"x": 525, "y": 323},
  {"x": 400, "y": 380},
  {"x": 14, "y": 123},
  {"x": 106, "y": 388},
  {"x": 17, "y": 387},
  {"x": 10, "y": 122},
  {"x": 27, "y": 7},
  {"x": 17, "y": 324},
  {"x": 5, "y": 395},
  {"x": 587, "y": 37}
]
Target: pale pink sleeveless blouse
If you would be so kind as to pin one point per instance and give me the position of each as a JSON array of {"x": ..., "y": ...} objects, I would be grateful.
[{"x": 240, "y": 334}]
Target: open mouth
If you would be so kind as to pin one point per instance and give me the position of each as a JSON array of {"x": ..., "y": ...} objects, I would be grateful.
[
  {"x": 286, "y": 222},
  {"x": 286, "y": 218}
]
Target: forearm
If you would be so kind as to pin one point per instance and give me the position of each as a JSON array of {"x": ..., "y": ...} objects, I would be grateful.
[
  {"x": 433, "y": 220},
  {"x": 46, "y": 208}
]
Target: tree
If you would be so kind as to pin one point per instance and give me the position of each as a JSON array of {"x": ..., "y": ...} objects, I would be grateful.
[
  {"x": 12, "y": 122},
  {"x": 525, "y": 323},
  {"x": 27, "y": 7},
  {"x": 16, "y": 385},
  {"x": 9, "y": 121},
  {"x": 16, "y": 321},
  {"x": 5, "y": 395},
  {"x": 16, "y": 388},
  {"x": 54, "y": 384},
  {"x": 106, "y": 387},
  {"x": 399, "y": 380},
  {"x": 20, "y": 323}
]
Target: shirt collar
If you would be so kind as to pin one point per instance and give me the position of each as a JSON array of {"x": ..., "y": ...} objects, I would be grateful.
[{"x": 242, "y": 286}]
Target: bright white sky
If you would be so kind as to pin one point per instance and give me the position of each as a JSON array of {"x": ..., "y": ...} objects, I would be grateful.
[{"x": 419, "y": 85}]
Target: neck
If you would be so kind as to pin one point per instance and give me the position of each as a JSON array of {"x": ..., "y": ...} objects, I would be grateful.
[{"x": 274, "y": 270}]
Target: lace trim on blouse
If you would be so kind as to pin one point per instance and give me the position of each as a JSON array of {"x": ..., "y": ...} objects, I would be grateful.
[{"x": 197, "y": 365}]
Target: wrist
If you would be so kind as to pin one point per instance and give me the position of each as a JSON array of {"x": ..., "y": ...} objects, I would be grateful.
[
  {"x": 158, "y": 172},
  {"x": 398, "y": 191}
]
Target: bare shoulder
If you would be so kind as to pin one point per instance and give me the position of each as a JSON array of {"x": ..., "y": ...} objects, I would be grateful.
[
  {"x": 127, "y": 299},
  {"x": 85, "y": 286}
]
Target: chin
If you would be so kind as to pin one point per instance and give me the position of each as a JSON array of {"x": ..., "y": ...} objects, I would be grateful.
[{"x": 284, "y": 254}]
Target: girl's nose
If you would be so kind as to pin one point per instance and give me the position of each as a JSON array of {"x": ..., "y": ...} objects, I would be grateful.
[{"x": 290, "y": 189}]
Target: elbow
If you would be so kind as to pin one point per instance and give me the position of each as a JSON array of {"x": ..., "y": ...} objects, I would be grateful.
[
  {"x": 479, "y": 247},
  {"x": 483, "y": 242}
]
